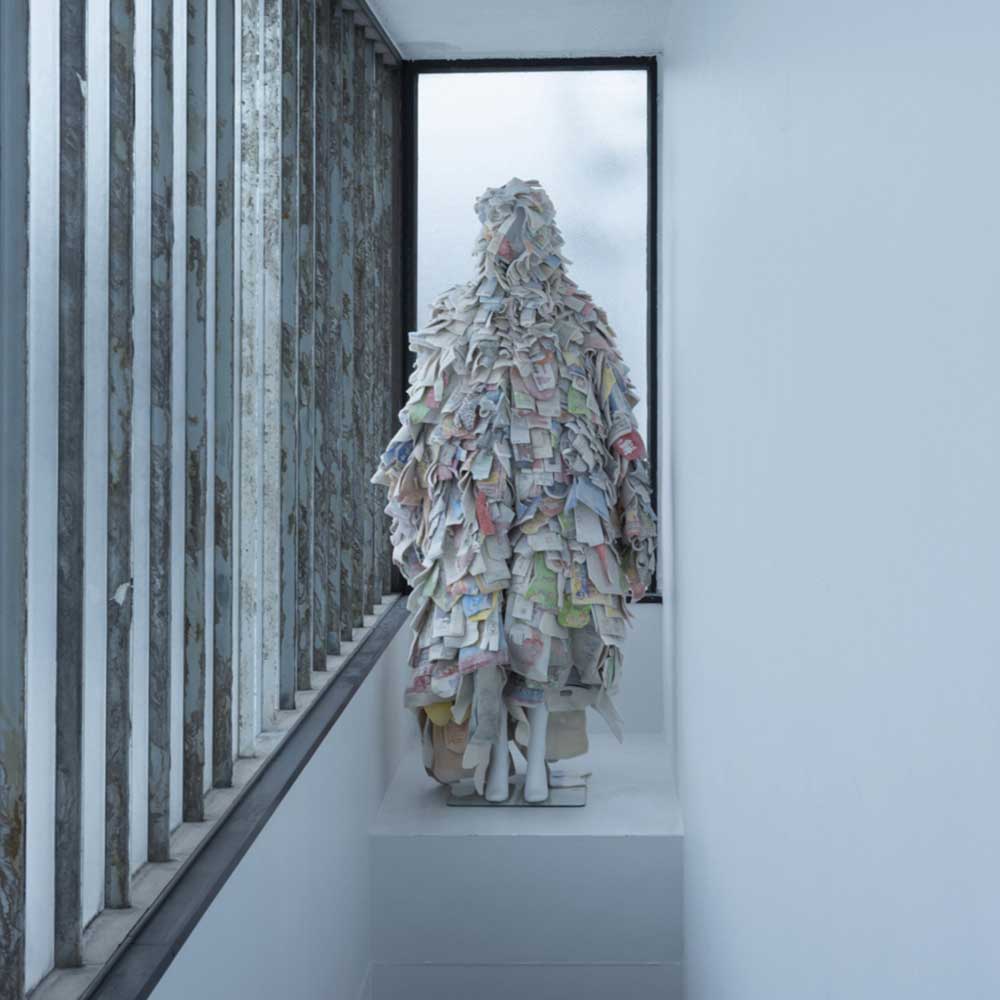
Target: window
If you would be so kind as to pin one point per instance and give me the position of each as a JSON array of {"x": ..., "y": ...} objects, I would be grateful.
[{"x": 584, "y": 130}]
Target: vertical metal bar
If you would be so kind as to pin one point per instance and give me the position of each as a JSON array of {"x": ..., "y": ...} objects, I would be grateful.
[
  {"x": 371, "y": 321},
  {"x": 118, "y": 719},
  {"x": 69, "y": 587},
  {"x": 14, "y": 494},
  {"x": 378, "y": 323},
  {"x": 392, "y": 279},
  {"x": 407, "y": 259},
  {"x": 383, "y": 374},
  {"x": 347, "y": 248},
  {"x": 196, "y": 415},
  {"x": 287, "y": 676},
  {"x": 332, "y": 440},
  {"x": 652, "y": 292},
  {"x": 402, "y": 94},
  {"x": 160, "y": 422},
  {"x": 225, "y": 182},
  {"x": 270, "y": 201},
  {"x": 378, "y": 279},
  {"x": 323, "y": 340},
  {"x": 250, "y": 362},
  {"x": 306, "y": 307},
  {"x": 362, "y": 326},
  {"x": 386, "y": 161},
  {"x": 372, "y": 338}
]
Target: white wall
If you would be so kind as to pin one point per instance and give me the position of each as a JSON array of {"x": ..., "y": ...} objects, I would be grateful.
[
  {"x": 293, "y": 919},
  {"x": 833, "y": 281}
]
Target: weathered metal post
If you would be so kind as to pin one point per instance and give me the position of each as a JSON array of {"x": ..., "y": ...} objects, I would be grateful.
[
  {"x": 14, "y": 495},
  {"x": 346, "y": 243},
  {"x": 120, "y": 587},
  {"x": 161, "y": 366},
  {"x": 306, "y": 249},
  {"x": 288, "y": 408},
  {"x": 328, "y": 159},
  {"x": 196, "y": 384},
  {"x": 69, "y": 531},
  {"x": 225, "y": 375}
]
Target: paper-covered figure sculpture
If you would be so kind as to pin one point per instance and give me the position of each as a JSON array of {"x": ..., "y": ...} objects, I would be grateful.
[{"x": 519, "y": 492}]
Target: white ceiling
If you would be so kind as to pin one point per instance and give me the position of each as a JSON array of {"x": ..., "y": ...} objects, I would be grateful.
[{"x": 462, "y": 29}]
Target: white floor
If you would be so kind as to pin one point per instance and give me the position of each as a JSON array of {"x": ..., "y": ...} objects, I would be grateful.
[{"x": 544, "y": 902}]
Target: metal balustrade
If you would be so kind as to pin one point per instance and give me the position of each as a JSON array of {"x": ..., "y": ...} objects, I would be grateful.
[{"x": 201, "y": 360}]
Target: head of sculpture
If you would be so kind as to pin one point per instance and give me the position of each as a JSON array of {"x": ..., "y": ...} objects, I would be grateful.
[{"x": 519, "y": 239}]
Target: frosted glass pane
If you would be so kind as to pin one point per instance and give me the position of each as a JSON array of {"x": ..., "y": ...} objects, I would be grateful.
[{"x": 582, "y": 135}]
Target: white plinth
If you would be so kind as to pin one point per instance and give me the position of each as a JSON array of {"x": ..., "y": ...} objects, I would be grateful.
[{"x": 540, "y": 904}]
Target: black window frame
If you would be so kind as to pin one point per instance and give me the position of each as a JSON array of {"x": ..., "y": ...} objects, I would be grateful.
[{"x": 412, "y": 70}]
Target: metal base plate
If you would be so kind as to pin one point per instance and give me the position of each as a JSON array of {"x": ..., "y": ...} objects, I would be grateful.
[{"x": 559, "y": 797}]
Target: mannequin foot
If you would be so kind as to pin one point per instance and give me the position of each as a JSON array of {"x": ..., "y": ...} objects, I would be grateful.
[
  {"x": 497, "y": 785},
  {"x": 536, "y": 780},
  {"x": 497, "y": 780}
]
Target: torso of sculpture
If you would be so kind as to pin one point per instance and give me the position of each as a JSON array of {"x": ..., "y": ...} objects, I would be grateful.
[{"x": 518, "y": 487}]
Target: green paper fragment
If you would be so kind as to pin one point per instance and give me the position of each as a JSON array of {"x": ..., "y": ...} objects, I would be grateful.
[
  {"x": 573, "y": 616},
  {"x": 542, "y": 589},
  {"x": 576, "y": 401}
]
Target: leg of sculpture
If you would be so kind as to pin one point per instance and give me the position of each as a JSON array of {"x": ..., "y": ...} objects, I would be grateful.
[
  {"x": 536, "y": 781},
  {"x": 497, "y": 783}
]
